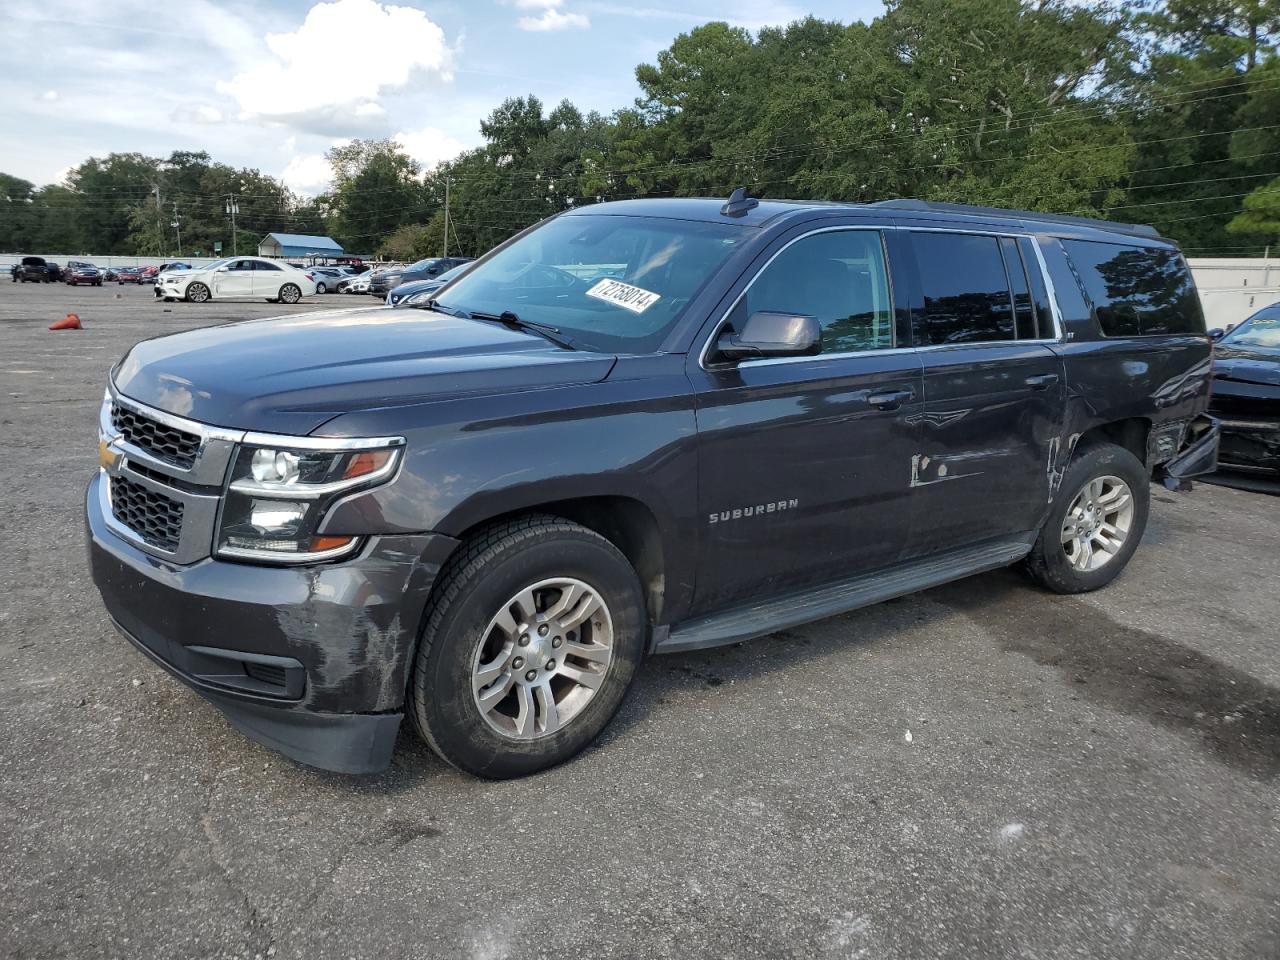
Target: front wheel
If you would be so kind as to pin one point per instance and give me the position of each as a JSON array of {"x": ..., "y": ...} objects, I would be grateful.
[
  {"x": 290, "y": 293},
  {"x": 197, "y": 293},
  {"x": 1096, "y": 522},
  {"x": 529, "y": 646}
]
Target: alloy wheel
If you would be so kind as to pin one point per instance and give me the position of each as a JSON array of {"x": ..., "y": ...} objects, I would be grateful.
[
  {"x": 542, "y": 658},
  {"x": 1097, "y": 523}
]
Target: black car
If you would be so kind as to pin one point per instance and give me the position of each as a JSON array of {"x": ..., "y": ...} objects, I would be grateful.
[
  {"x": 636, "y": 428},
  {"x": 37, "y": 270},
  {"x": 385, "y": 280},
  {"x": 1246, "y": 394}
]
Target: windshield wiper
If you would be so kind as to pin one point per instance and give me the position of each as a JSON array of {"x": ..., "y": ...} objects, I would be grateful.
[
  {"x": 437, "y": 307},
  {"x": 511, "y": 319}
]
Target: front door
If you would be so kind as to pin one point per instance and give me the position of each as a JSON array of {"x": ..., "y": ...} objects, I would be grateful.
[
  {"x": 804, "y": 463},
  {"x": 235, "y": 281},
  {"x": 994, "y": 391}
]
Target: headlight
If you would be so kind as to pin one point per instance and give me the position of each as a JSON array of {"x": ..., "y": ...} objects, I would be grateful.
[
  {"x": 422, "y": 296},
  {"x": 278, "y": 496}
]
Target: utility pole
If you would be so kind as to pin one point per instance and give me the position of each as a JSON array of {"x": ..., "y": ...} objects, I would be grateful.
[
  {"x": 447, "y": 178},
  {"x": 159, "y": 221},
  {"x": 233, "y": 207},
  {"x": 177, "y": 225}
]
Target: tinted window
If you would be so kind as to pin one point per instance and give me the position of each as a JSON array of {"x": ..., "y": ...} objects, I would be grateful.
[
  {"x": 264, "y": 265},
  {"x": 966, "y": 290},
  {"x": 1137, "y": 291},
  {"x": 1024, "y": 311},
  {"x": 838, "y": 277}
]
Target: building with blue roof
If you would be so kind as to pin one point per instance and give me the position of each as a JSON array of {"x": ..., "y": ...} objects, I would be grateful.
[{"x": 297, "y": 245}]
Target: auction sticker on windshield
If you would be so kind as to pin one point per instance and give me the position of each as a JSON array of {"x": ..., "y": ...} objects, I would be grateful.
[{"x": 620, "y": 294}]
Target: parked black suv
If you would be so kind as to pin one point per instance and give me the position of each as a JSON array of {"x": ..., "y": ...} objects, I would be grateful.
[
  {"x": 389, "y": 278},
  {"x": 637, "y": 427},
  {"x": 36, "y": 270}
]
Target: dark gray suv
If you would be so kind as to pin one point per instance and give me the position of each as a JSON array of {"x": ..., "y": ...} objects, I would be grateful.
[{"x": 638, "y": 427}]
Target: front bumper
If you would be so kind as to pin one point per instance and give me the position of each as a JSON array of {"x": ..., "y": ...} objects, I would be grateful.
[{"x": 312, "y": 661}]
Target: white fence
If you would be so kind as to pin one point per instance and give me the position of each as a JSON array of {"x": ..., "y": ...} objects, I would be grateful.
[{"x": 1233, "y": 288}]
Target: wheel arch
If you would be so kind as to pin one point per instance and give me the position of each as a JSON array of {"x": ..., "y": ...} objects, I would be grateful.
[
  {"x": 1131, "y": 433},
  {"x": 626, "y": 522}
]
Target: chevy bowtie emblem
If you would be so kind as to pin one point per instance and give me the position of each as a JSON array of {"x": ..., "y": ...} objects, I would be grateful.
[{"x": 107, "y": 458}]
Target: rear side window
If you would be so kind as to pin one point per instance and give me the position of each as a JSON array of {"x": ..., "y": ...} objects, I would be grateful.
[
  {"x": 966, "y": 289},
  {"x": 1137, "y": 291}
]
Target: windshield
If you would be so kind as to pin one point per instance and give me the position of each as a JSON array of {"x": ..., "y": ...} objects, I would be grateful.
[
  {"x": 421, "y": 264},
  {"x": 1260, "y": 330},
  {"x": 612, "y": 284}
]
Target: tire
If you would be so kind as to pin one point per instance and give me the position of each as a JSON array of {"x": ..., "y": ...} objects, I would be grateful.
[
  {"x": 197, "y": 293},
  {"x": 460, "y": 634},
  {"x": 290, "y": 293},
  {"x": 1095, "y": 478},
  {"x": 321, "y": 288}
]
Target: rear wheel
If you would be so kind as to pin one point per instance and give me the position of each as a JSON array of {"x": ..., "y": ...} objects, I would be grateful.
[
  {"x": 1096, "y": 522},
  {"x": 321, "y": 288},
  {"x": 197, "y": 292},
  {"x": 290, "y": 293},
  {"x": 529, "y": 646}
]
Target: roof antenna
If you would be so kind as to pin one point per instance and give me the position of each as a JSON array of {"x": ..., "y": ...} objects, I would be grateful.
[{"x": 739, "y": 203}]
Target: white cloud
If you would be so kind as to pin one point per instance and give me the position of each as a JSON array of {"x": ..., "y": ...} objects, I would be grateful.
[
  {"x": 552, "y": 19},
  {"x": 50, "y": 95},
  {"x": 201, "y": 113},
  {"x": 307, "y": 173},
  {"x": 338, "y": 62},
  {"x": 551, "y": 16},
  {"x": 430, "y": 147}
]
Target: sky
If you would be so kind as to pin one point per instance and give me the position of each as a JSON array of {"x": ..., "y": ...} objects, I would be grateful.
[{"x": 273, "y": 84}]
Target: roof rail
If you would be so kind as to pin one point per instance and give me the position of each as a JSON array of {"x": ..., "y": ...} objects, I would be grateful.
[{"x": 929, "y": 206}]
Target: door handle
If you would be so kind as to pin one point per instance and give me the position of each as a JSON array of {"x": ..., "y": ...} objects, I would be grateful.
[
  {"x": 1041, "y": 381},
  {"x": 890, "y": 400}
]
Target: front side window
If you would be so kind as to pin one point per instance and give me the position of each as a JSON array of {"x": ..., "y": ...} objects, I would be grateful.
[
  {"x": 840, "y": 277},
  {"x": 1137, "y": 291},
  {"x": 966, "y": 289},
  {"x": 610, "y": 283}
]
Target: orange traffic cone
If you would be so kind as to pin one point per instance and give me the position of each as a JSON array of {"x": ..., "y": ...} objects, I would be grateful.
[{"x": 69, "y": 322}]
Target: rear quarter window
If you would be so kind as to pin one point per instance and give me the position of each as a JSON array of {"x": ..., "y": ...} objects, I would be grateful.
[{"x": 1137, "y": 291}]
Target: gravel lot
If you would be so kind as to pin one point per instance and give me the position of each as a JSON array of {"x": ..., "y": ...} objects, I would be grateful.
[{"x": 980, "y": 771}]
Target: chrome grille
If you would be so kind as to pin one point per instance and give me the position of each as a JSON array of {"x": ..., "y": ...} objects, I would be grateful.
[
  {"x": 173, "y": 446},
  {"x": 155, "y": 518}
]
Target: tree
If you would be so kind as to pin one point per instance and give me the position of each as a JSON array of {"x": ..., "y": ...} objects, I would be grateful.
[{"x": 377, "y": 189}]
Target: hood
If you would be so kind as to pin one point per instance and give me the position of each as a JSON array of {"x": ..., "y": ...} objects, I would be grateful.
[
  {"x": 291, "y": 374},
  {"x": 1247, "y": 364}
]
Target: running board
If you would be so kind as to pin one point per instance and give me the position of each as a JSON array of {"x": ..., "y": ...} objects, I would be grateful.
[{"x": 817, "y": 603}]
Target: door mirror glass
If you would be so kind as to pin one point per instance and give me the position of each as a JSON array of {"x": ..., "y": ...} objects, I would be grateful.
[{"x": 771, "y": 334}]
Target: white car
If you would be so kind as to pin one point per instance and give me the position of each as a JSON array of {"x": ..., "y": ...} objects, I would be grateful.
[
  {"x": 239, "y": 277},
  {"x": 357, "y": 284}
]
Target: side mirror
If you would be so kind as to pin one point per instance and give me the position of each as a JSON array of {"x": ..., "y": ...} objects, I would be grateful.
[
  {"x": 222, "y": 270},
  {"x": 768, "y": 334},
  {"x": 1217, "y": 333}
]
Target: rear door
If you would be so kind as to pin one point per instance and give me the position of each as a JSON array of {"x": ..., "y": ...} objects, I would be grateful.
[
  {"x": 267, "y": 279},
  {"x": 993, "y": 389},
  {"x": 803, "y": 462}
]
